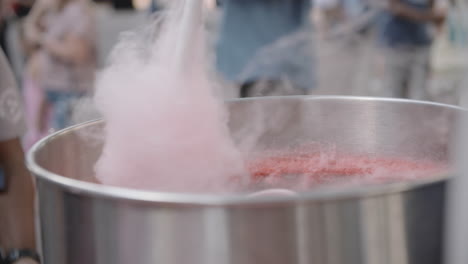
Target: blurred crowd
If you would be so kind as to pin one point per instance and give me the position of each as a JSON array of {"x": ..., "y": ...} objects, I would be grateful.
[
  {"x": 57, "y": 39},
  {"x": 389, "y": 48}
]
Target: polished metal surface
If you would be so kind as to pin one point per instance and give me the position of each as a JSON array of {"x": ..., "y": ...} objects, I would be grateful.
[
  {"x": 456, "y": 223},
  {"x": 400, "y": 223}
]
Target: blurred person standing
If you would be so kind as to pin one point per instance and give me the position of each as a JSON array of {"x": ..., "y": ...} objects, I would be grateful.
[
  {"x": 406, "y": 35},
  {"x": 344, "y": 36},
  {"x": 65, "y": 61},
  {"x": 266, "y": 47},
  {"x": 17, "y": 235}
]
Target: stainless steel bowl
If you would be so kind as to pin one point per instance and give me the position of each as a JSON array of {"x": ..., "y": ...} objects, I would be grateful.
[{"x": 84, "y": 222}]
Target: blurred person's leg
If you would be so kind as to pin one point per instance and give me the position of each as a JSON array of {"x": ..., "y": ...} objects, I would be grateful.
[
  {"x": 34, "y": 108},
  {"x": 245, "y": 89},
  {"x": 271, "y": 88},
  {"x": 396, "y": 73},
  {"x": 53, "y": 99},
  {"x": 419, "y": 74},
  {"x": 38, "y": 108},
  {"x": 45, "y": 115}
]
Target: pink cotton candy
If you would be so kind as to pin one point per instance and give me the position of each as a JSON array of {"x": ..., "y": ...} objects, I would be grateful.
[{"x": 165, "y": 129}]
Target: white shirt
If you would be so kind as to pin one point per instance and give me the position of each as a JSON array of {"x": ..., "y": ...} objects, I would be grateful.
[{"x": 12, "y": 123}]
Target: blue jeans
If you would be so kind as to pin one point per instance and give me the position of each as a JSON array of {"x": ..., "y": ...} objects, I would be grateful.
[{"x": 61, "y": 107}]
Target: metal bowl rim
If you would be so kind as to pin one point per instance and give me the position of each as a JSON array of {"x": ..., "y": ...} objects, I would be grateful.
[{"x": 318, "y": 195}]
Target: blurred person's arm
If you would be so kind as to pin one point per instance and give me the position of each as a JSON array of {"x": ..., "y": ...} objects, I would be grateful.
[
  {"x": 33, "y": 33},
  {"x": 17, "y": 200},
  {"x": 31, "y": 27},
  {"x": 17, "y": 203},
  {"x": 432, "y": 15}
]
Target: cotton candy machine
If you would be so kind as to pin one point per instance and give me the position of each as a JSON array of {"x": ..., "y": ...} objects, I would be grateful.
[{"x": 394, "y": 220}]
